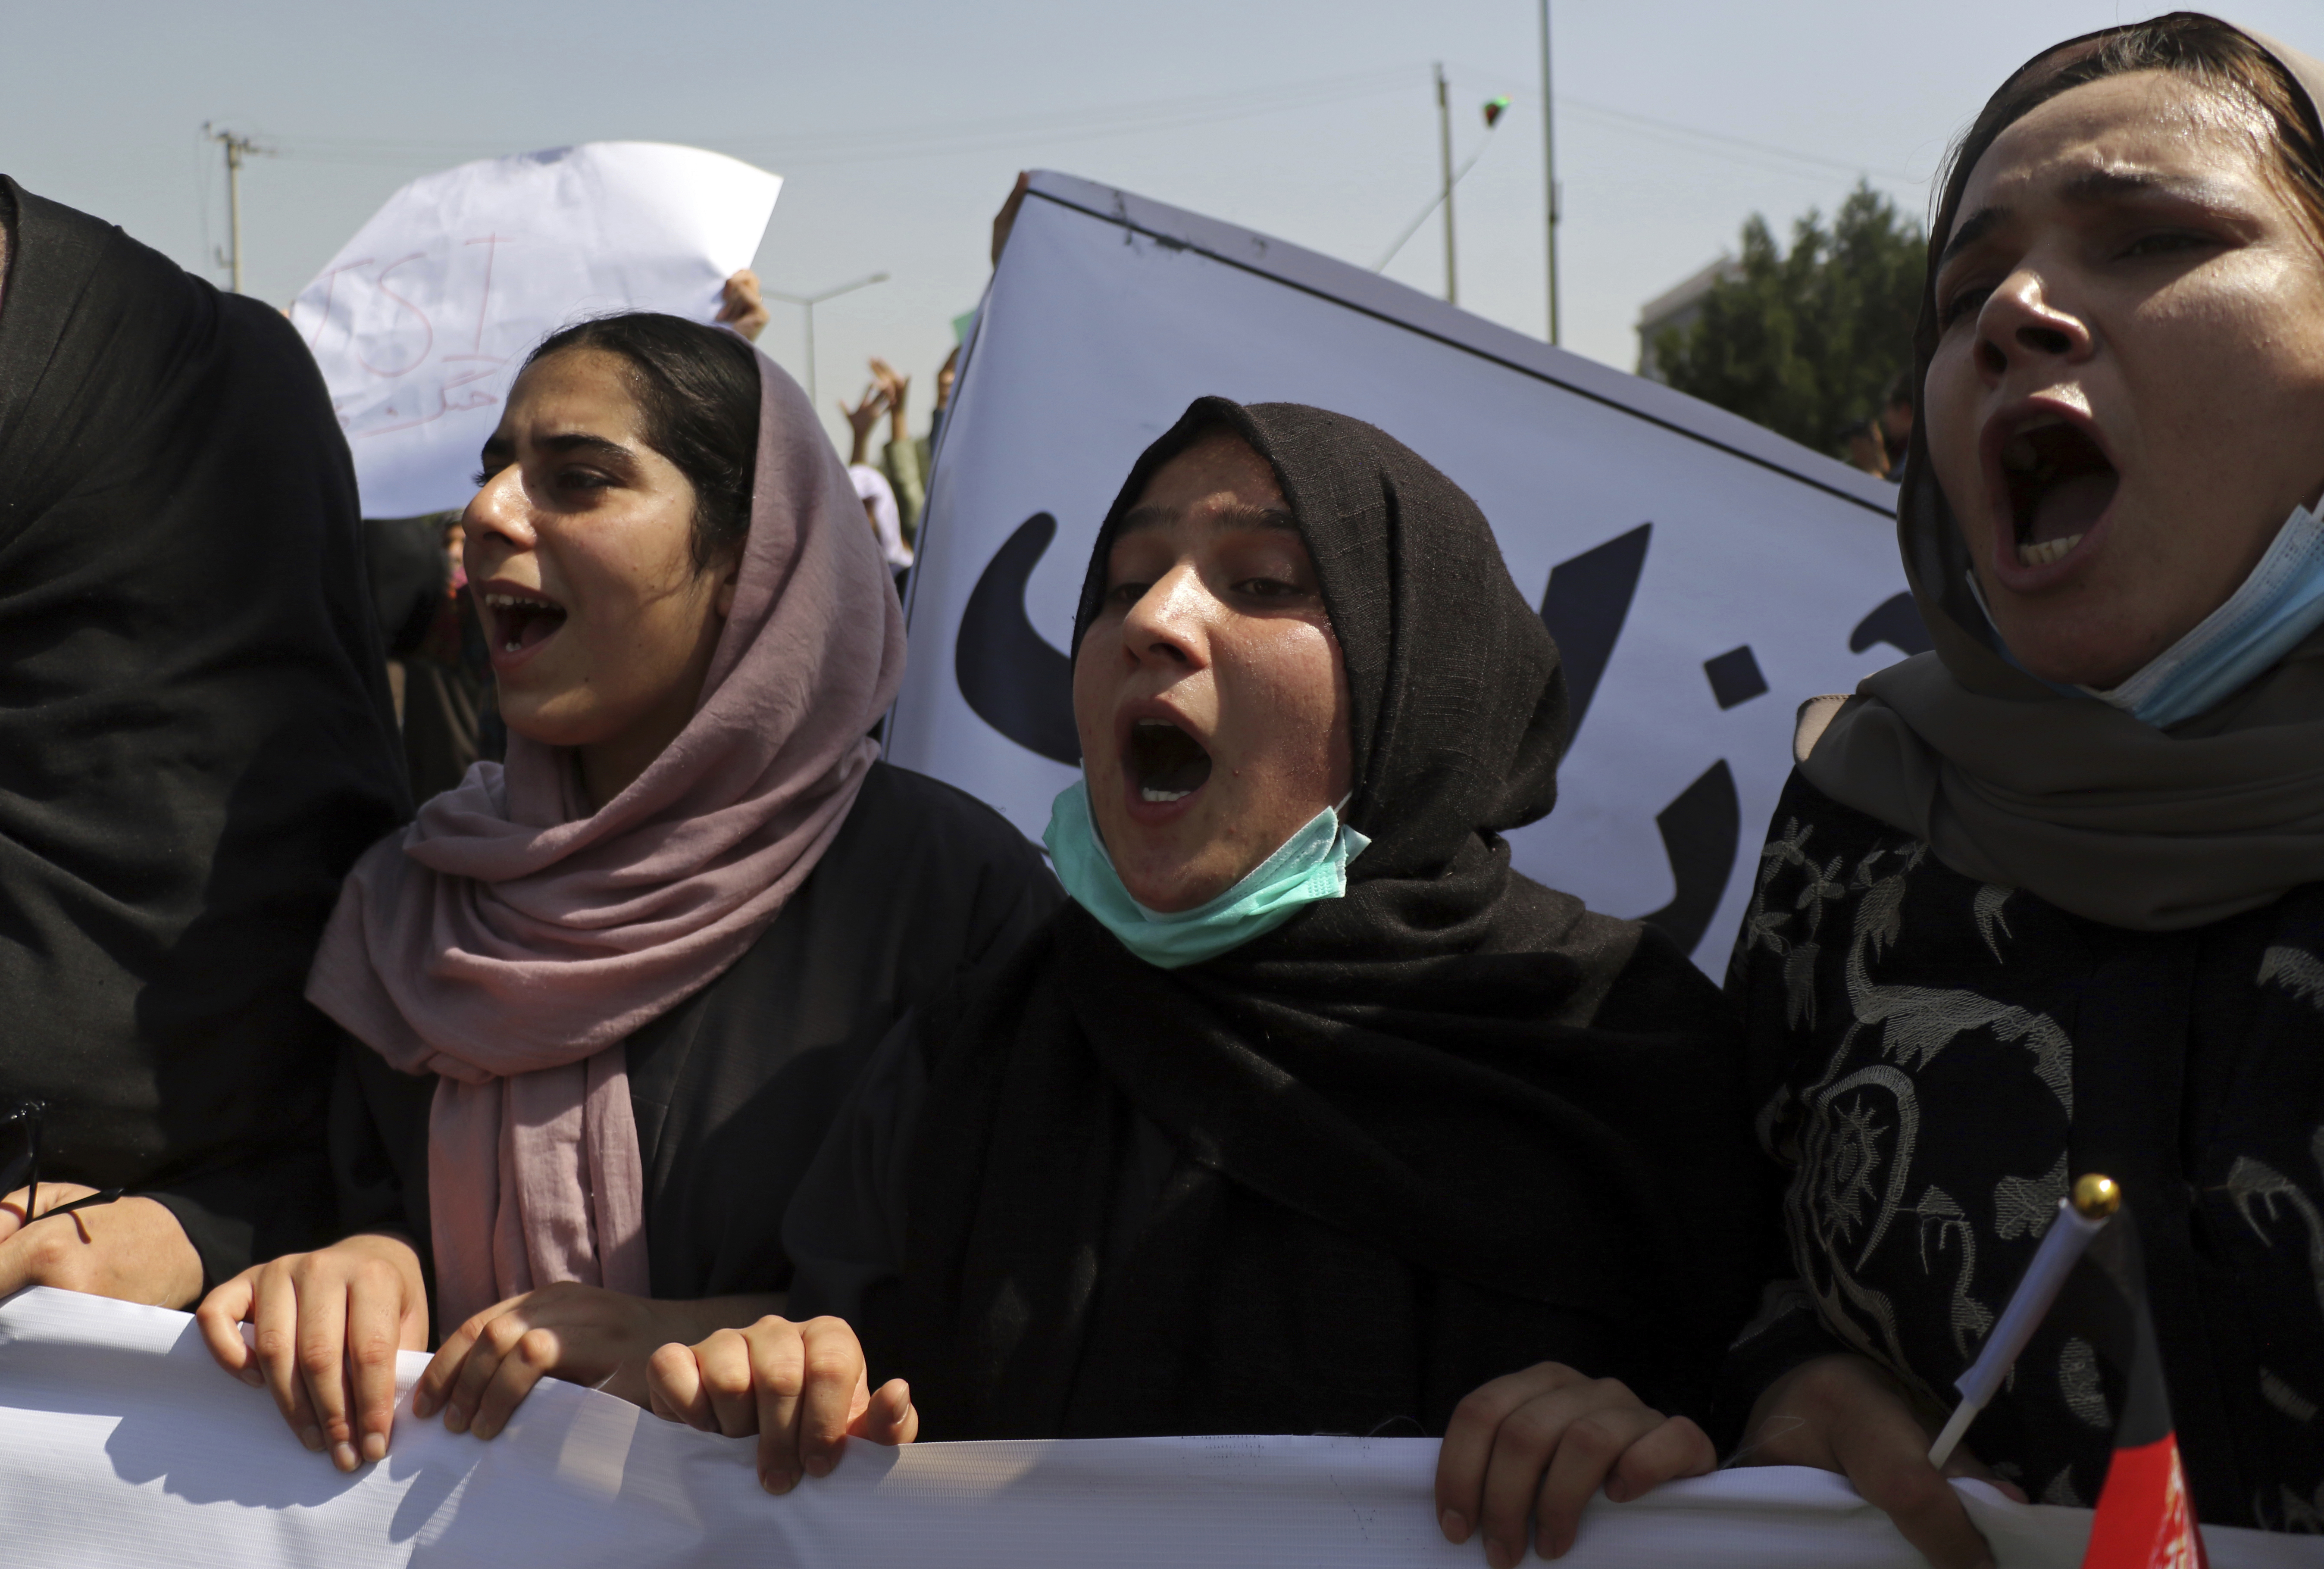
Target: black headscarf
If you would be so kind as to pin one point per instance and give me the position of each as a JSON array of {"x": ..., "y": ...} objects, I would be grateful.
[
  {"x": 1432, "y": 1132},
  {"x": 195, "y": 740}
]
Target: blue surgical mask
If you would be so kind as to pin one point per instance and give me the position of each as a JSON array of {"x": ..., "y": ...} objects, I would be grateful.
[
  {"x": 2280, "y": 603},
  {"x": 1311, "y": 866}
]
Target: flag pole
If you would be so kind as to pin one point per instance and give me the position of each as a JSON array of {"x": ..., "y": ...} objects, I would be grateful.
[{"x": 2081, "y": 1216}]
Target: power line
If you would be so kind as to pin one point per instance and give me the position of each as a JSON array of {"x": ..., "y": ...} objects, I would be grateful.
[
  {"x": 1434, "y": 202},
  {"x": 1122, "y": 119},
  {"x": 1669, "y": 127},
  {"x": 935, "y": 139},
  {"x": 1146, "y": 117},
  {"x": 1631, "y": 119}
]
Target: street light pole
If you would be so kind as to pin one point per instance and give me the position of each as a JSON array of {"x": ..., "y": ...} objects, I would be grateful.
[
  {"x": 1549, "y": 165},
  {"x": 1444, "y": 172},
  {"x": 808, "y": 302},
  {"x": 237, "y": 149}
]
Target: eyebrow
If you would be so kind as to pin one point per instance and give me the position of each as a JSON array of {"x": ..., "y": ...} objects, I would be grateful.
[
  {"x": 2089, "y": 189},
  {"x": 1236, "y": 517},
  {"x": 2101, "y": 183},
  {"x": 1970, "y": 231},
  {"x": 501, "y": 449}
]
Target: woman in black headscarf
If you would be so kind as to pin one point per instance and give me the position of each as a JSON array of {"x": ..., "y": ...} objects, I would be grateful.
[
  {"x": 2049, "y": 901},
  {"x": 195, "y": 743},
  {"x": 1292, "y": 1124}
]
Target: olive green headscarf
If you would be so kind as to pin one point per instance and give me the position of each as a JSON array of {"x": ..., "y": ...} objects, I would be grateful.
[{"x": 2012, "y": 782}]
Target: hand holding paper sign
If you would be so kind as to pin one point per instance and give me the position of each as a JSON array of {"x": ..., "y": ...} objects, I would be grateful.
[
  {"x": 740, "y": 306},
  {"x": 421, "y": 321}
]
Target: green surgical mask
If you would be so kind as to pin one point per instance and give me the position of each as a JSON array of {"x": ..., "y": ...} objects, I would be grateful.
[{"x": 1311, "y": 866}]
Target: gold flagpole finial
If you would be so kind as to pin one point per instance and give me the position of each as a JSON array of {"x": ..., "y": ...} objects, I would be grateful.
[{"x": 2095, "y": 1197}]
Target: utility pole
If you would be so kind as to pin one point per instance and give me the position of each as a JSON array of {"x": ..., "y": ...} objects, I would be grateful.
[
  {"x": 237, "y": 148},
  {"x": 808, "y": 302},
  {"x": 1444, "y": 168},
  {"x": 1549, "y": 166}
]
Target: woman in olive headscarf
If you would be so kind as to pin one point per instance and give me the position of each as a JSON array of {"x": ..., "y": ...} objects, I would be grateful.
[
  {"x": 2045, "y": 901},
  {"x": 1296, "y": 1121}
]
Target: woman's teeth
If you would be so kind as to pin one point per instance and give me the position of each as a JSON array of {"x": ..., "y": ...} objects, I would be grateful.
[
  {"x": 518, "y": 618},
  {"x": 1167, "y": 763},
  {"x": 2060, "y": 485},
  {"x": 2047, "y": 552}
]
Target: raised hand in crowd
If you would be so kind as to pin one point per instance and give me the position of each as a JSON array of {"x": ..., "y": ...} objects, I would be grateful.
[
  {"x": 896, "y": 388},
  {"x": 1538, "y": 1443},
  {"x": 863, "y": 419},
  {"x": 326, "y": 1327},
  {"x": 1848, "y": 1413},
  {"x": 740, "y": 306},
  {"x": 945, "y": 375},
  {"x": 804, "y": 1388},
  {"x": 132, "y": 1249}
]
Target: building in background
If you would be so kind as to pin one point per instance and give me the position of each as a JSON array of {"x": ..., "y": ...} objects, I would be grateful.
[{"x": 1678, "y": 308}]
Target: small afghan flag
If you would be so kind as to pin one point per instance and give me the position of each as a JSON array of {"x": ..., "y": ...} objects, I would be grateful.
[
  {"x": 2145, "y": 1520},
  {"x": 2088, "y": 1267}
]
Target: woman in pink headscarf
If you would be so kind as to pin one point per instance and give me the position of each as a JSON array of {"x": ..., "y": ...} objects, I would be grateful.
[{"x": 634, "y": 970}]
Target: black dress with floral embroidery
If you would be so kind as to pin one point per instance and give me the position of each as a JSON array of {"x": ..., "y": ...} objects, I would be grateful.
[{"x": 1934, "y": 1056}]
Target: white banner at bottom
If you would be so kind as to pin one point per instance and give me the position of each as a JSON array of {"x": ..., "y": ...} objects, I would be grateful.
[{"x": 120, "y": 1443}]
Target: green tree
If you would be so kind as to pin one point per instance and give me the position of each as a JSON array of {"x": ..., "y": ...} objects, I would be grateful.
[{"x": 1806, "y": 342}]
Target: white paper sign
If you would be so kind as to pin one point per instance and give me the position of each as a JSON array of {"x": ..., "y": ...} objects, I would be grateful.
[
  {"x": 123, "y": 1445},
  {"x": 1703, "y": 576},
  {"x": 421, "y": 322}
]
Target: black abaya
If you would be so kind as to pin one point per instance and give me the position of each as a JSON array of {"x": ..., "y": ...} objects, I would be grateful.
[
  {"x": 1430, "y": 1132},
  {"x": 195, "y": 736},
  {"x": 734, "y": 1088}
]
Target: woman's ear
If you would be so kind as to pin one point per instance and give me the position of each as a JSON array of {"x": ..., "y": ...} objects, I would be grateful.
[{"x": 730, "y": 578}]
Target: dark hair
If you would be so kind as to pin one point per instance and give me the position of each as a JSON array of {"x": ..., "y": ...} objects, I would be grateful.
[
  {"x": 698, "y": 389},
  {"x": 2187, "y": 43}
]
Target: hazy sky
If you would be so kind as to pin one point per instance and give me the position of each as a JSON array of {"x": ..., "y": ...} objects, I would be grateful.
[{"x": 898, "y": 127}]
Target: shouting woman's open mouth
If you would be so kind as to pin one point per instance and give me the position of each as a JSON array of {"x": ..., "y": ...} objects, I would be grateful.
[
  {"x": 1162, "y": 764},
  {"x": 520, "y": 619},
  {"x": 2059, "y": 485}
]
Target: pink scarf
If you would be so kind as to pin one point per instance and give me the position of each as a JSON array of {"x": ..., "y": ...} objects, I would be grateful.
[{"x": 510, "y": 941}]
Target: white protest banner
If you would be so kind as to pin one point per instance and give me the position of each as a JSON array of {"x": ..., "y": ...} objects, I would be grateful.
[
  {"x": 122, "y": 1445},
  {"x": 421, "y": 321},
  {"x": 1703, "y": 576}
]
